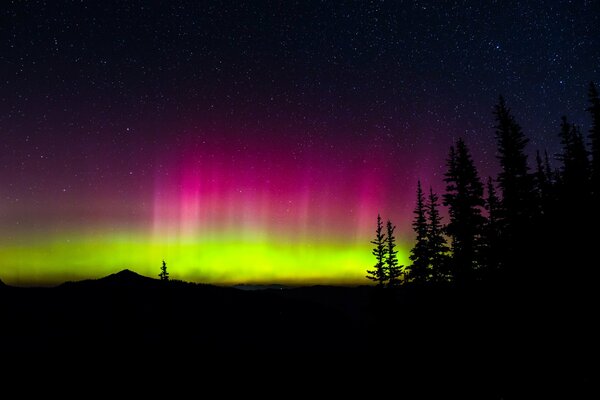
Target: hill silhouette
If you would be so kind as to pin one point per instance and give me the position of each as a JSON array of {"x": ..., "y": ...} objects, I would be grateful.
[
  {"x": 127, "y": 276},
  {"x": 126, "y": 307},
  {"x": 124, "y": 277}
]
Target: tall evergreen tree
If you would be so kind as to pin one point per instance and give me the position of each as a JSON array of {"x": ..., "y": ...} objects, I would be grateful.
[
  {"x": 419, "y": 253},
  {"x": 548, "y": 169},
  {"x": 541, "y": 180},
  {"x": 437, "y": 248},
  {"x": 393, "y": 270},
  {"x": 544, "y": 185},
  {"x": 164, "y": 275},
  {"x": 594, "y": 110},
  {"x": 575, "y": 163},
  {"x": 514, "y": 179},
  {"x": 492, "y": 230},
  {"x": 492, "y": 204},
  {"x": 580, "y": 154},
  {"x": 378, "y": 274},
  {"x": 518, "y": 211},
  {"x": 566, "y": 142},
  {"x": 464, "y": 198}
]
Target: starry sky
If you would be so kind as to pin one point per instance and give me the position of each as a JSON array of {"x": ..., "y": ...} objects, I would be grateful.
[{"x": 255, "y": 142}]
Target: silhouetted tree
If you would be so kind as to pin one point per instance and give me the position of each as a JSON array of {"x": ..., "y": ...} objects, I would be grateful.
[
  {"x": 464, "y": 198},
  {"x": 437, "y": 248},
  {"x": 545, "y": 187},
  {"x": 548, "y": 169},
  {"x": 492, "y": 229},
  {"x": 164, "y": 275},
  {"x": 492, "y": 204},
  {"x": 515, "y": 182},
  {"x": 419, "y": 254},
  {"x": 393, "y": 270},
  {"x": 575, "y": 164},
  {"x": 565, "y": 141},
  {"x": 541, "y": 182},
  {"x": 519, "y": 211},
  {"x": 574, "y": 212},
  {"x": 378, "y": 274},
  {"x": 581, "y": 165},
  {"x": 594, "y": 136}
]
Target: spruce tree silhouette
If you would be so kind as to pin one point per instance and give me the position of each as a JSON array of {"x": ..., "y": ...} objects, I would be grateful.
[
  {"x": 594, "y": 110},
  {"x": 492, "y": 232},
  {"x": 464, "y": 198},
  {"x": 393, "y": 270},
  {"x": 543, "y": 183},
  {"x": 164, "y": 275},
  {"x": 518, "y": 206},
  {"x": 514, "y": 179},
  {"x": 548, "y": 191},
  {"x": 418, "y": 271},
  {"x": 378, "y": 274},
  {"x": 437, "y": 247},
  {"x": 575, "y": 164},
  {"x": 574, "y": 200},
  {"x": 548, "y": 170},
  {"x": 581, "y": 163}
]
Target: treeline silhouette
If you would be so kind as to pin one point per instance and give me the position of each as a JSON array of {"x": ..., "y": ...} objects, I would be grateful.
[
  {"x": 503, "y": 289},
  {"x": 532, "y": 225}
]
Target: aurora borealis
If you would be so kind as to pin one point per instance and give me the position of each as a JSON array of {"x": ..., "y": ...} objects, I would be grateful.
[
  {"x": 248, "y": 143},
  {"x": 216, "y": 216}
]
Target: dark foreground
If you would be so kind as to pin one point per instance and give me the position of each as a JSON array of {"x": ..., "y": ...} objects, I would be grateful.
[{"x": 494, "y": 336}]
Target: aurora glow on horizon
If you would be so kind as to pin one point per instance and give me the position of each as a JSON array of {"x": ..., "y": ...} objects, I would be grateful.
[
  {"x": 256, "y": 143},
  {"x": 220, "y": 217}
]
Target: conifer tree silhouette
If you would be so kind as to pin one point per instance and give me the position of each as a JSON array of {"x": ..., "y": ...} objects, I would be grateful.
[
  {"x": 378, "y": 274},
  {"x": 594, "y": 110},
  {"x": 464, "y": 198},
  {"x": 437, "y": 248},
  {"x": 519, "y": 209},
  {"x": 541, "y": 180},
  {"x": 419, "y": 256},
  {"x": 492, "y": 231},
  {"x": 164, "y": 275},
  {"x": 548, "y": 169},
  {"x": 544, "y": 184},
  {"x": 515, "y": 182},
  {"x": 393, "y": 270},
  {"x": 575, "y": 170}
]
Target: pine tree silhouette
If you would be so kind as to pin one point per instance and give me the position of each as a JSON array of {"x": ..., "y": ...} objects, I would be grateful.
[
  {"x": 576, "y": 212},
  {"x": 594, "y": 110},
  {"x": 541, "y": 183},
  {"x": 518, "y": 206},
  {"x": 514, "y": 179},
  {"x": 565, "y": 141},
  {"x": 393, "y": 270},
  {"x": 464, "y": 198},
  {"x": 419, "y": 256},
  {"x": 548, "y": 169},
  {"x": 575, "y": 169},
  {"x": 437, "y": 248},
  {"x": 164, "y": 275},
  {"x": 378, "y": 274},
  {"x": 580, "y": 184},
  {"x": 492, "y": 231}
]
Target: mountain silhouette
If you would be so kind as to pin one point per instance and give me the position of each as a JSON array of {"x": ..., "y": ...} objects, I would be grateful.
[
  {"x": 127, "y": 277},
  {"x": 124, "y": 278}
]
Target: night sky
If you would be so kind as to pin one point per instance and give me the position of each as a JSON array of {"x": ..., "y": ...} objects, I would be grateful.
[{"x": 258, "y": 142}]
